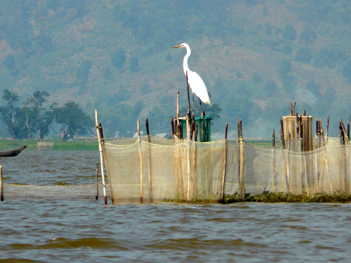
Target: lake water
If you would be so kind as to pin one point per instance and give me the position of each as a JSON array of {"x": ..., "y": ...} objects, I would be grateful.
[{"x": 50, "y": 215}]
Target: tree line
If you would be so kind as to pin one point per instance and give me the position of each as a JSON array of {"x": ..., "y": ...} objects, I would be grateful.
[{"x": 34, "y": 116}]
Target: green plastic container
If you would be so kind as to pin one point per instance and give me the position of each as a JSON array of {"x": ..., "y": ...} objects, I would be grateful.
[{"x": 204, "y": 128}]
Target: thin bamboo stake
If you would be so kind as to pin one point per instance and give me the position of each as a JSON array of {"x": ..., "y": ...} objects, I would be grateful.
[
  {"x": 106, "y": 163},
  {"x": 327, "y": 129},
  {"x": 1, "y": 185},
  {"x": 193, "y": 178},
  {"x": 140, "y": 164},
  {"x": 224, "y": 160},
  {"x": 241, "y": 161},
  {"x": 97, "y": 182},
  {"x": 196, "y": 130},
  {"x": 178, "y": 107},
  {"x": 188, "y": 158},
  {"x": 149, "y": 177},
  {"x": 101, "y": 156},
  {"x": 188, "y": 92},
  {"x": 288, "y": 168},
  {"x": 273, "y": 161},
  {"x": 176, "y": 159}
]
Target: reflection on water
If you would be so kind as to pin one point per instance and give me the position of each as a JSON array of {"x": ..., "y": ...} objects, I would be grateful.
[{"x": 53, "y": 228}]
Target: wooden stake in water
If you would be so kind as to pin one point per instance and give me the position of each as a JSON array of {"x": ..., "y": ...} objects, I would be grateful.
[
  {"x": 224, "y": 160},
  {"x": 101, "y": 156},
  {"x": 241, "y": 160},
  {"x": 97, "y": 182},
  {"x": 149, "y": 178},
  {"x": 140, "y": 164},
  {"x": 273, "y": 160},
  {"x": 1, "y": 185}
]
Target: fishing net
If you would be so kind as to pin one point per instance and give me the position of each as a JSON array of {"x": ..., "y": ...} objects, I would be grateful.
[
  {"x": 51, "y": 192},
  {"x": 187, "y": 170}
]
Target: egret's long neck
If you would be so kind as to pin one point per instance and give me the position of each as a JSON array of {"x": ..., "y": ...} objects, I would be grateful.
[{"x": 185, "y": 60}]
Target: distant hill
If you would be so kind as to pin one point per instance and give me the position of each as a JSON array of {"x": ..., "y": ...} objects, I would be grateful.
[{"x": 116, "y": 56}]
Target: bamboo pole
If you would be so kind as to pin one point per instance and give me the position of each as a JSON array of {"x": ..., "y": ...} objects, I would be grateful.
[
  {"x": 97, "y": 182},
  {"x": 1, "y": 185},
  {"x": 175, "y": 151},
  {"x": 327, "y": 129},
  {"x": 101, "y": 156},
  {"x": 241, "y": 161},
  {"x": 188, "y": 92},
  {"x": 106, "y": 163},
  {"x": 282, "y": 134},
  {"x": 149, "y": 175},
  {"x": 140, "y": 165},
  {"x": 193, "y": 180},
  {"x": 288, "y": 168},
  {"x": 273, "y": 161},
  {"x": 224, "y": 160},
  {"x": 188, "y": 158},
  {"x": 178, "y": 105}
]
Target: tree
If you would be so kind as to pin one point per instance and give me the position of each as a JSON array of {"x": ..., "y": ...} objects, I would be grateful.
[
  {"x": 74, "y": 121},
  {"x": 41, "y": 119},
  {"x": 13, "y": 116}
]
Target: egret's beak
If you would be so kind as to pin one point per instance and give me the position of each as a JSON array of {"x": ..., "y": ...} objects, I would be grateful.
[{"x": 177, "y": 46}]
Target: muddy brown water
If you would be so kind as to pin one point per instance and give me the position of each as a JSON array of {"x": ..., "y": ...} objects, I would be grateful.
[{"x": 50, "y": 215}]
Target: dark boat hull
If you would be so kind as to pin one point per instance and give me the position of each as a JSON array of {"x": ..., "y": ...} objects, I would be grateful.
[{"x": 13, "y": 152}]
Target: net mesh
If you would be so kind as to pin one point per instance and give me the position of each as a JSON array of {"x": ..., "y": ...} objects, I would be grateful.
[{"x": 188, "y": 170}]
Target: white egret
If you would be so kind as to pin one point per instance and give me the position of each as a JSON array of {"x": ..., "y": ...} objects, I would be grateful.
[{"x": 196, "y": 83}]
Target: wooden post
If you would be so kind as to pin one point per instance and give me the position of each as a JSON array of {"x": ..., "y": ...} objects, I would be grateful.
[
  {"x": 288, "y": 168},
  {"x": 188, "y": 92},
  {"x": 327, "y": 129},
  {"x": 106, "y": 163},
  {"x": 282, "y": 134},
  {"x": 97, "y": 182},
  {"x": 224, "y": 161},
  {"x": 193, "y": 129},
  {"x": 188, "y": 122},
  {"x": 273, "y": 160},
  {"x": 140, "y": 164},
  {"x": 176, "y": 160},
  {"x": 149, "y": 177},
  {"x": 196, "y": 130},
  {"x": 172, "y": 126},
  {"x": 178, "y": 107},
  {"x": 188, "y": 125},
  {"x": 1, "y": 185},
  {"x": 98, "y": 130},
  {"x": 241, "y": 161}
]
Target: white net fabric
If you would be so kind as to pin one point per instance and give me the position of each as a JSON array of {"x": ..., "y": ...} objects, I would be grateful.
[{"x": 189, "y": 171}]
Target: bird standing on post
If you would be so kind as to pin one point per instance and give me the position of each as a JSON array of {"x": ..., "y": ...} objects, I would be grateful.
[{"x": 196, "y": 83}]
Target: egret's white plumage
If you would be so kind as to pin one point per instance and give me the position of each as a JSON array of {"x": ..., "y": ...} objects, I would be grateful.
[{"x": 196, "y": 83}]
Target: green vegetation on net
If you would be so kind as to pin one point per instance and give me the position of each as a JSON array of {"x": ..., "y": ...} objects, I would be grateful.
[{"x": 271, "y": 197}]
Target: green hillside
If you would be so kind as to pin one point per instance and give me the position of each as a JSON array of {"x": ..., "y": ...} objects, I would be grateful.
[{"x": 255, "y": 56}]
